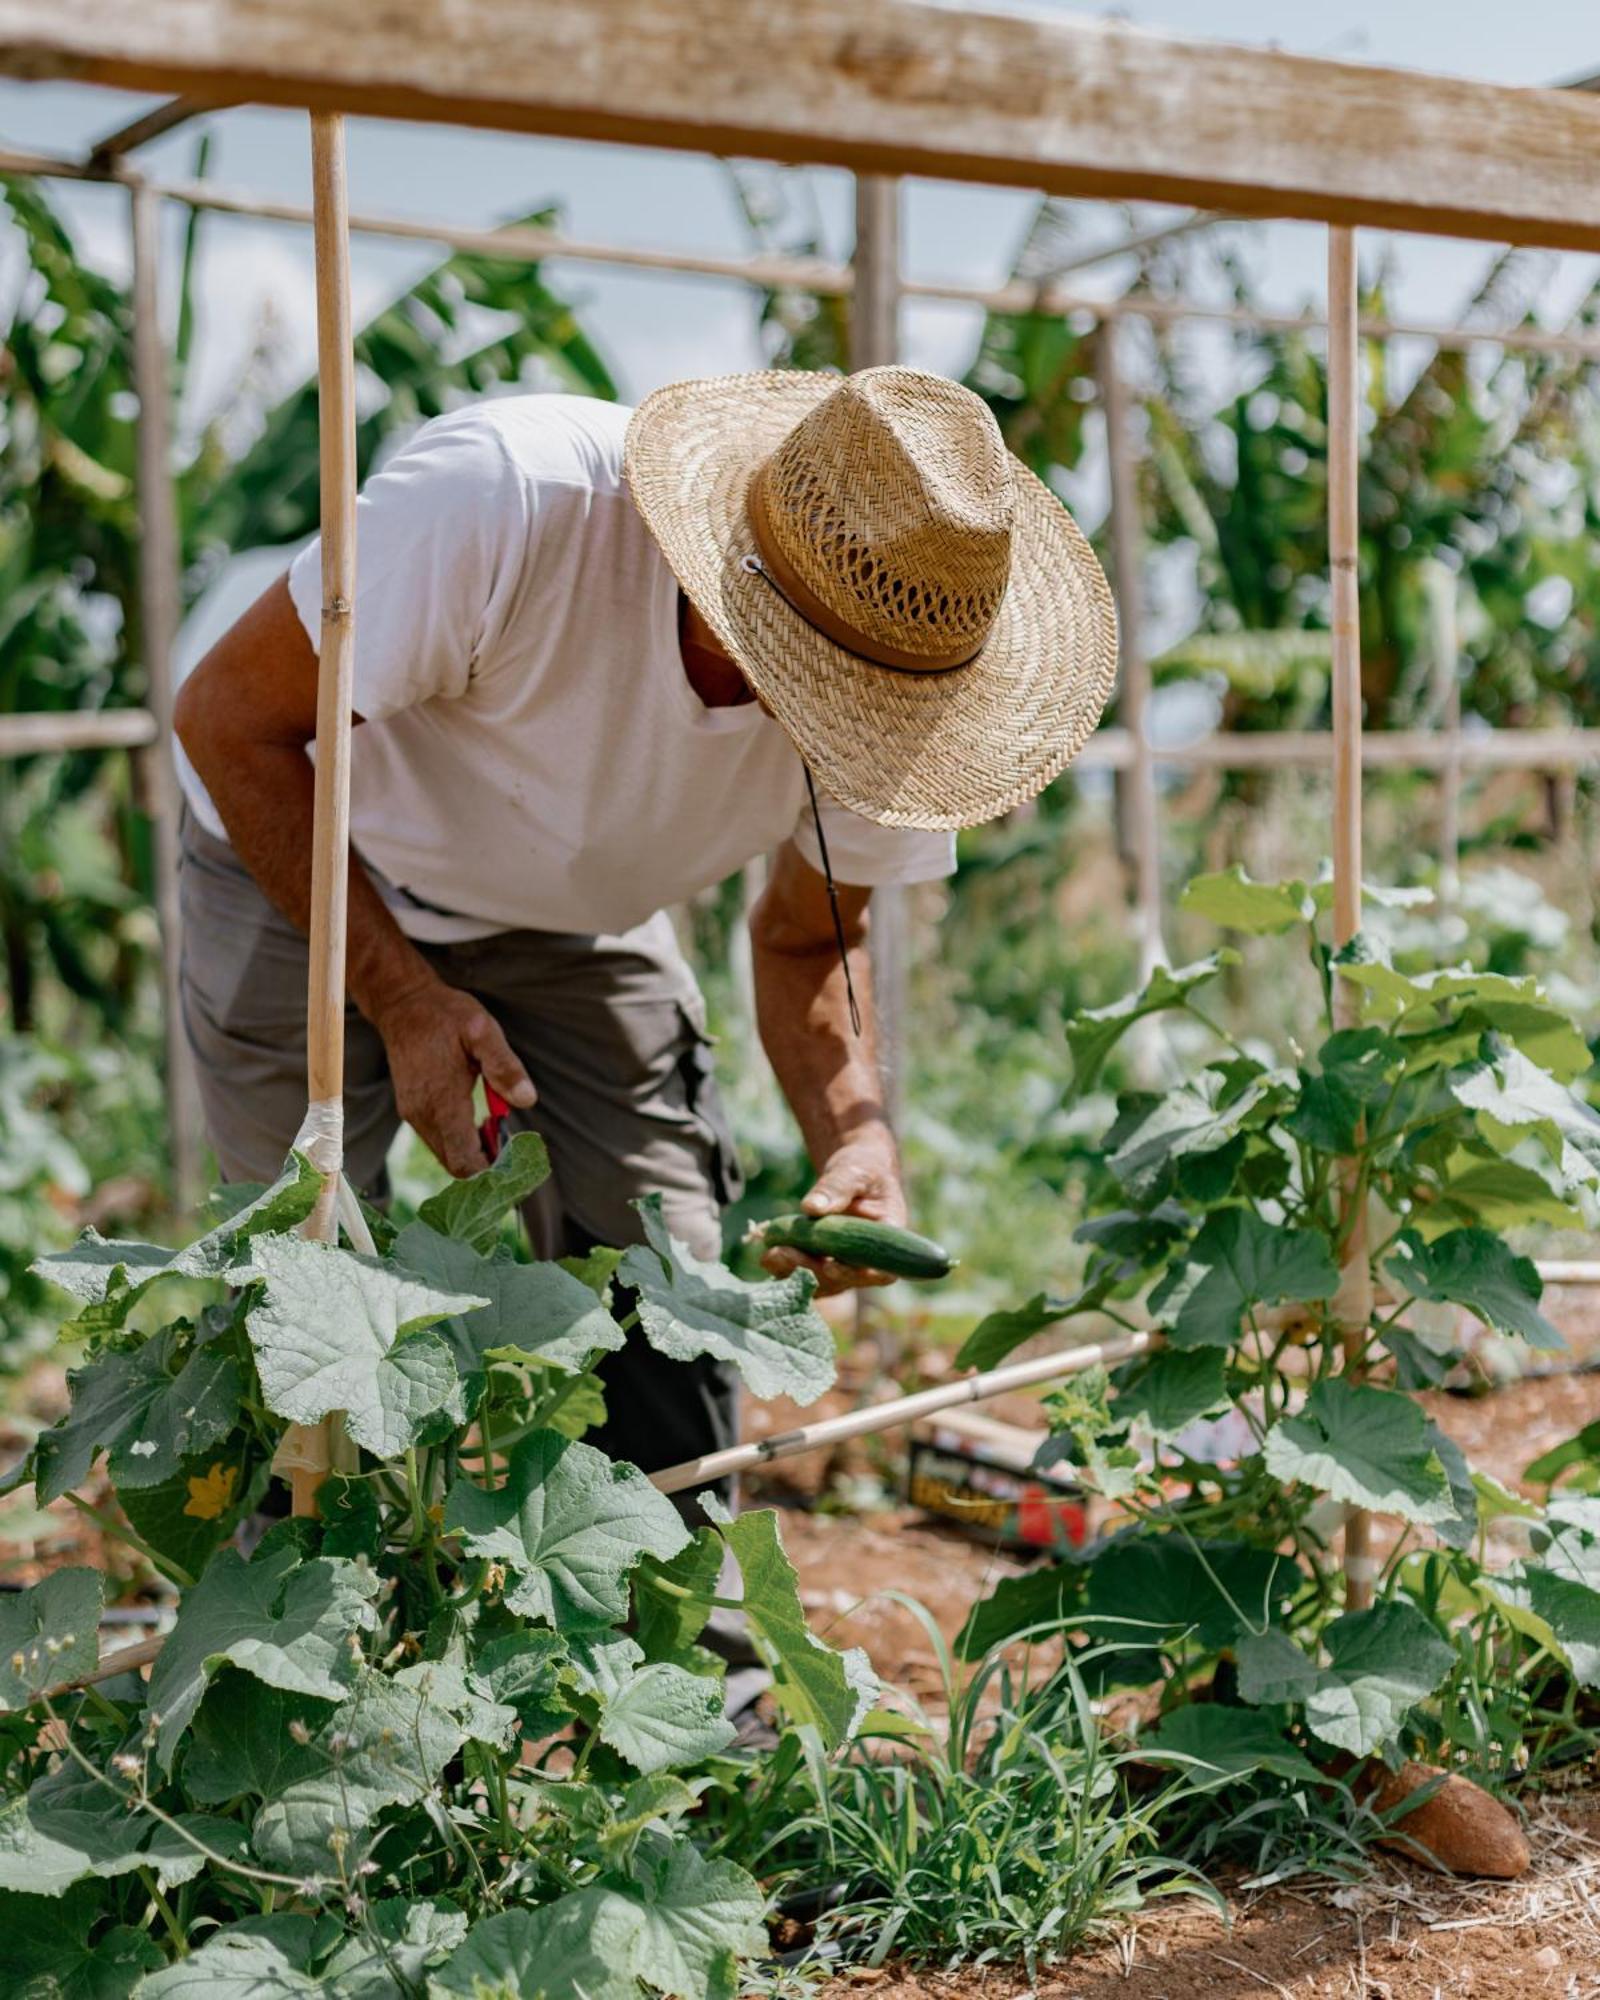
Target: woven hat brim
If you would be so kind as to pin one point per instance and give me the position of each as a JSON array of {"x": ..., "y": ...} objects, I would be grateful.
[{"x": 908, "y": 749}]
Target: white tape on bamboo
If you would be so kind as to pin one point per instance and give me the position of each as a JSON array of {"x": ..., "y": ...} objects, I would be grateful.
[{"x": 1353, "y": 1305}]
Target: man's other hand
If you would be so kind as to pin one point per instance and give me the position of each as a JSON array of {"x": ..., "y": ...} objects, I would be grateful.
[
  {"x": 440, "y": 1041},
  {"x": 861, "y": 1177}
]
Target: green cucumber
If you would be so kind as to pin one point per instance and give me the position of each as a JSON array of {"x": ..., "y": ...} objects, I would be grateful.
[{"x": 851, "y": 1239}]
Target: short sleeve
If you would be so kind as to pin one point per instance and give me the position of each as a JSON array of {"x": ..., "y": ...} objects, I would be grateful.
[
  {"x": 442, "y": 537},
  {"x": 869, "y": 856}
]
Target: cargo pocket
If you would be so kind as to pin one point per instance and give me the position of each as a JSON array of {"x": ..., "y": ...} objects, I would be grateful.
[{"x": 697, "y": 1073}]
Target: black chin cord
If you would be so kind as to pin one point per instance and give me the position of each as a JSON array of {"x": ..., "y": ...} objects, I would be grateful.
[{"x": 833, "y": 901}]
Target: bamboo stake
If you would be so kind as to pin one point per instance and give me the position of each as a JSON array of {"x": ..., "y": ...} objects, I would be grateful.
[
  {"x": 874, "y": 343},
  {"x": 160, "y": 613},
  {"x": 1143, "y": 828},
  {"x": 902, "y": 1410},
  {"x": 48, "y": 732},
  {"x": 1354, "y": 1302},
  {"x": 308, "y": 1450}
]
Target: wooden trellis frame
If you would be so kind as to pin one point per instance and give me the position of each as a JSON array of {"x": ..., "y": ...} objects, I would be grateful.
[
  {"x": 1127, "y": 749},
  {"x": 1070, "y": 106}
]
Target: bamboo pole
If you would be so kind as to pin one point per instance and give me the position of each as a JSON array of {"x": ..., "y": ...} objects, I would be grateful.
[
  {"x": 902, "y": 1410},
  {"x": 1142, "y": 829},
  {"x": 49, "y": 732},
  {"x": 1354, "y": 1302},
  {"x": 874, "y": 343},
  {"x": 308, "y": 1451},
  {"x": 160, "y": 614},
  {"x": 1015, "y": 295}
]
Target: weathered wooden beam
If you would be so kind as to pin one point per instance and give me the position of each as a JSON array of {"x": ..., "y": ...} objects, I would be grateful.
[{"x": 1072, "y": 106}]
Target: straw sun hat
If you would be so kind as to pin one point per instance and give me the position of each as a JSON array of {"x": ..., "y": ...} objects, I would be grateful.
[{"x": 920, "y": 613}]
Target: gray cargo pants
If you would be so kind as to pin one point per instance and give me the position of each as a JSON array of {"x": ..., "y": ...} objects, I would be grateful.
[{"x": 612, "y": 1031}]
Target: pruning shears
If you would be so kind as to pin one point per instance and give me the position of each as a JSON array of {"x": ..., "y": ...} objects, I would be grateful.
[{"x": 492, "y": 1132}]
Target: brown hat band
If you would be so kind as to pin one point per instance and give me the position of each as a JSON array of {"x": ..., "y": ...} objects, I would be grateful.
[{"x": 802, "y": 599}]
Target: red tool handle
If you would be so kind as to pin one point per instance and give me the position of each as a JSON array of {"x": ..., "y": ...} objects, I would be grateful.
[{"x": 492, "y": 1132}]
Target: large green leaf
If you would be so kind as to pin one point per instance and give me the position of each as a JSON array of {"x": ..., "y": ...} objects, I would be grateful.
[
  {"x": 531, "y": 1672},
  {"x": 534, "y": 1312},
  {"x": 1390, "y": 995},
  {"x": 1381, "y": 1663},
  {"x": 399, "y": 1940},
  {"x": 999, "y": 1333},
  {"x": 238, "y": 1964},
  {"x": 1543, "y": 1033},
  {"x": 386, "y": 1744},
  {"x": 1355, "y": 1071},
  {"x": 338, "y": 1331},
  {"x": 1472, "y": 1268},
  {"x": 576, "y": 1948},
  {"x": 1156, "y": 1138},
  {"x": 473, "y": 1209},
  {"x": 1554, "y": 1595},
  {"x": 663, "y": 1717},
  {"x": 52, "y": 1952},
  {"x": 151, "y": 1407},
  {"x": 1172, "y": 1390},
  {"x": 689, "y": 1307},
  {"x": 673, "y": 1923},
  {"x": 1260, "y": 909},
  {"x": 1504, "y": 1193},
  {"x": 1045, "y": 1598},
  {"x": 1235, "y": 1263},
  {"x": 287, "y": 1622},
  {"x": 1135, "y": 1239},
  {"x": 49, "y": 1633},
  {"x": 1213, "y": 1745},
  {"x": 94, "y": 1267},
  {"x": 1094, "y": 1032},
  {"x": 672, "y": 1600},
  {"x": 1364, "y": 1445},
  {"x": 71, "y": 1825},
  {"x": 318, "y": 1770},
  {"x": 570, "y": 1524},
  {"x": 1148, "y": 1590},
  {"x": 189, "y": 1516},
  {"x": 815, "y": 1685},
  {"x": 1514, "y": 1099}
]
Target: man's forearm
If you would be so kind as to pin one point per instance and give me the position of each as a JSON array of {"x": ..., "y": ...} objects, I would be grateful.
[
  {"x": 264, "y": 793},
  {"x": 828, "y": 1074}
]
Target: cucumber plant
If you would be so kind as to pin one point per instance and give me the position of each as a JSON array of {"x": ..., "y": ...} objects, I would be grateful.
[
  {"x": 1444, "y": 1117},
  {"x": 449, "y": 1738}
]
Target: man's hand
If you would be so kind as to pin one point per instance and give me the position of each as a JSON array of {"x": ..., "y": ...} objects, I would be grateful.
[
  {"x": 440, "y": 1041},
  {"x": 860, "y": 1177}
]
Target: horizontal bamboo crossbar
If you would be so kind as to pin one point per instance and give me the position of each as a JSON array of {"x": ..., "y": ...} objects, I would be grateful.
[
  {"x": 76, "y": 729},
  {"x": 816, "y": 275},
  {"x": 1069, "y": 105},
  {"x": 1109, "y": 749},
  {"x": 875, "y": 1417}
]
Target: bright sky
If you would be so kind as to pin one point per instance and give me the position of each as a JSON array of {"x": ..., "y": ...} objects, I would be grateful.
[{"x": 256, "y": 277}]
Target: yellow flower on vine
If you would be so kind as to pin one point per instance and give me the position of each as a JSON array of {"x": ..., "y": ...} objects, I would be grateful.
[{"x": 211, "y": 1497}]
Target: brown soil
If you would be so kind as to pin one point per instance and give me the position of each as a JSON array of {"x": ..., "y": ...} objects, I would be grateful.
[
  {"x": 1400, "y": 1935},
  {"x": 1396, "y": 1936}
]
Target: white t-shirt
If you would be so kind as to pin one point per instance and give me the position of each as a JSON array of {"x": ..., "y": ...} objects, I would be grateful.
[{"x": 532, "y": 755}]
